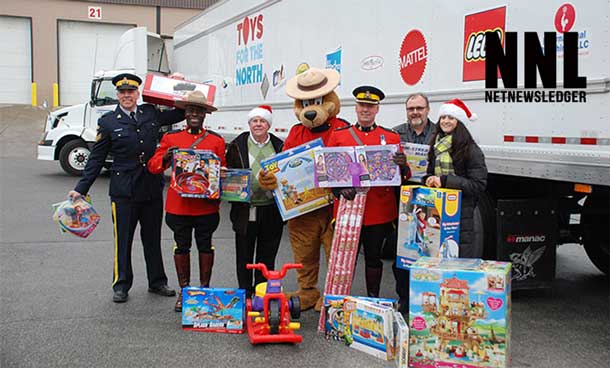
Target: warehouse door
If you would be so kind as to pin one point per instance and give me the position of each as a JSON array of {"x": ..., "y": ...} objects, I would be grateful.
[{"x": 16, "y": 60}]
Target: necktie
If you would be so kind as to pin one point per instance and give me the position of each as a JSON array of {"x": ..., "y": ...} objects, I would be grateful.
[{"x": 133, "y": 116}]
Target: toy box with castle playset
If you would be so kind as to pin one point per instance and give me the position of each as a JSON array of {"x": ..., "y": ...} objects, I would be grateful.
[
  {"x": 428, "y": 224},
  {"x": 459, "y": 313}
]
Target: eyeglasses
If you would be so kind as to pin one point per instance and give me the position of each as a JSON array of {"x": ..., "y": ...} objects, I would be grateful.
[{"x": 416, "y": 108}]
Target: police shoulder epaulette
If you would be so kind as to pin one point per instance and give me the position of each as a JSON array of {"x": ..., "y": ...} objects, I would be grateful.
[
  {"x": 344, "y": 121},
  {"x": 216, "y": 134},
  {"x": 174, "y": 131},
  {"x": 107, "y": 114},
  {"x": 343, "y": 128},
  {"x": 389, "y": 130}
]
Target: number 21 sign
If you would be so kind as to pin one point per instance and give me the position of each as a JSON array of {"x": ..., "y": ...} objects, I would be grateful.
[{"x": 94, "y": 12}]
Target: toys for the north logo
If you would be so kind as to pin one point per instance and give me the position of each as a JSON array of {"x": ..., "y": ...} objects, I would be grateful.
[{"x": 249, "y": 55}]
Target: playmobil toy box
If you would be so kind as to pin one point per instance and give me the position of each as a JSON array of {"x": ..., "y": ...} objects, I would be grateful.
[
  {"x": 333, "y": 307},
  {"x": 213, "y": 309},
  {"x": 368, "y": 327},
  {"x": 459, "y": 313},
  {"x": 428, "y": 224},
  {"x": 296, "y": 193},
  {"x": 166, "y": 91},
  {"x": 401, "y": 341},
  {"x": 196, "y": 174}
]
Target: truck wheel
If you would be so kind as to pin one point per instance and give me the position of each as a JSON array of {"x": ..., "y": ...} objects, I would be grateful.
[
  {"x": 485, "y": 226},
  {"x": 595, "y": 219},
  {"x": 73, "y": 157}
]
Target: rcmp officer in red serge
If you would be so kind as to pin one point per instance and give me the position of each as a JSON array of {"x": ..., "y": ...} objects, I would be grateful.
[
  {"x": 130, "y": 134},
  {"x": 381, "y": 210},
  {"x": 183, "y": 215}
]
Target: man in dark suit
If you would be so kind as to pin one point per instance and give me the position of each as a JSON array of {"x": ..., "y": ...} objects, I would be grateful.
[{"x": 130, "y": 133}]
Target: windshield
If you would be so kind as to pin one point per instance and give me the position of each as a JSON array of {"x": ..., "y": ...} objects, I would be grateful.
[{"x": 105, "y": 93}]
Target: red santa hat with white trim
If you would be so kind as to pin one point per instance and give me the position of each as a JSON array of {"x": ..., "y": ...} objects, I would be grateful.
[
  {"x": 262, "y": 111},
  {"x": 457, "y": 109}
]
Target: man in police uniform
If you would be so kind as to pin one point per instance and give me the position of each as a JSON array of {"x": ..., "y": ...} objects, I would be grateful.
[
  {"x": 130, "y": 134},
  {"x": 381, "y": 209}
]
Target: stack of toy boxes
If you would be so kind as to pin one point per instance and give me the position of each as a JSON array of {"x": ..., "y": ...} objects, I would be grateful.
[
  {"x": 401, "y": 341},
  {"x": 368, "y": 327},
  {"x": 334, "y": 319},
  {"x": 459, "y": 313},
  {"x": 428, "y": 224},
  {"x": 213, "y": 309}
]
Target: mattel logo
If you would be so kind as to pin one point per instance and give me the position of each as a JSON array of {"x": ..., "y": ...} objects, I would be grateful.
[{"x": 519, "y": 239}]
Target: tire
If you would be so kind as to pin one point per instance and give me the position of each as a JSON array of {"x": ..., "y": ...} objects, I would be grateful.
[
  {"x": 274, "y": 317},
  {"x": 73, "y": 157},
  {"x": 295, "y": 307},
  {"x": 595, "y": 219},
  {"x": 485, "y": 227}
]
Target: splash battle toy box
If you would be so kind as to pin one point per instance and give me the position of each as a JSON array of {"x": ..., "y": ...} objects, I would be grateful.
[
  {"x": 459, "y": 313},
  {"x": 428, "y": 224},
  {"x": 213, "y": 309},
  {"x": 368, "y": 327}
]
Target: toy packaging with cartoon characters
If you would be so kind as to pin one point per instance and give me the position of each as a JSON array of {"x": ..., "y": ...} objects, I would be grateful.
[
  {"x": 76, "y": 216},
  {"x": 368, "y": 327},
  {"x": 459, "y": 313},
  {"x": 196, "y": 174},
  {"x": 235, "y": 185},
  {"x": 296, "y": 193},
  {"x": 417, "y": 158},
  {"x": 401, "y": 341},
  {"x": 213, "y": 309},
  {"x": 428, "y": 224},
  {"x": 162, "y": 90},
  {"x": 377, "y": 163}
]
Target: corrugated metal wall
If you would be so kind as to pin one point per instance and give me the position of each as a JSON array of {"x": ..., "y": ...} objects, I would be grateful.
[{"x": 185, "y": 4}]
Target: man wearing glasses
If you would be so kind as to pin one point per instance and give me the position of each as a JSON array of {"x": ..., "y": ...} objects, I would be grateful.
[{"x": 418, "y": 128}]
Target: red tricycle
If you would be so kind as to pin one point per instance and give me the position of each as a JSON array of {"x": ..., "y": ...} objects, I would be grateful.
[{"x": 269, "y": 312}]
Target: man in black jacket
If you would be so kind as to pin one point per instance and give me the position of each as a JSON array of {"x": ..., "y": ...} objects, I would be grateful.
[{"x": 258, "y": 225}]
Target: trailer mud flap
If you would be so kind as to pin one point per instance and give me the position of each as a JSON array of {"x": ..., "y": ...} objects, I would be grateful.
[{"x": 527, "y": 237}]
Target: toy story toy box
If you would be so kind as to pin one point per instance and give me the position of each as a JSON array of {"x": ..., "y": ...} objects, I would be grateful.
[
  {"x": 428, "y": 224},
  {"x": 368, "y": 327},
  {"x": 296, "y": 193},
  {"x": 196, "y": 174},
  {"x": 459, "y": 313},
  {"x": 401, "y": 341},
  {"x": 166, "y": 91},
  {"x": 213, "y": 309},
  {"x": 334, "y": 320}
]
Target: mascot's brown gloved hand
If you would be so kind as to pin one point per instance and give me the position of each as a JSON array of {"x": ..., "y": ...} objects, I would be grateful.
[{"x": 267, "y": 181}]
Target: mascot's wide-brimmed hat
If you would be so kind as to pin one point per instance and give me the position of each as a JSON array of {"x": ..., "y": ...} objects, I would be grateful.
[
  {"x": 312, "y": 83},
  {"x": 195, "y": 98}
]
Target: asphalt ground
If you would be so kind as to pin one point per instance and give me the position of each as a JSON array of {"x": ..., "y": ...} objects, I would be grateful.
[{"x": 56, "y": 308}]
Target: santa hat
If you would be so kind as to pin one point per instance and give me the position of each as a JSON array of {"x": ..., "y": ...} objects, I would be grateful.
[
  {"x": 262, "y": 111},
  {"x": 457, "y": 109}
]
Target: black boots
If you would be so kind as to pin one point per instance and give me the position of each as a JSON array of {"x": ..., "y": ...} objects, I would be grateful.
[
  {"x": 373, "y": 281},
  {"x": 183, "y": 269}
]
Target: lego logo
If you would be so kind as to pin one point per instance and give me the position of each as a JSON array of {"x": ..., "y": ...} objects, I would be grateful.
[{"x": 475, "y": 48}]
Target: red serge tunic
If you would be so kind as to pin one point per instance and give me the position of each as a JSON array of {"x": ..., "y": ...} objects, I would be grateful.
[
  {"x": 300, "y": 134},
  {"x": 381, "y": 206},
  {"x": 175, "y": 204}
]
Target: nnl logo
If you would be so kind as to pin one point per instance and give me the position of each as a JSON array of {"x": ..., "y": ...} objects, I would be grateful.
[{"x": 536, "y": 59}]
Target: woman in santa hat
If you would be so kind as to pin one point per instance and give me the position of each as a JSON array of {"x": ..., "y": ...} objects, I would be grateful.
[
  {"x": 455, "y": 161},
  {"x": 258, "y": 225}
]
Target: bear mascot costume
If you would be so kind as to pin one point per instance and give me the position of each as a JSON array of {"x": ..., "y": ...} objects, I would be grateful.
[{"x": 316, "y": 106}]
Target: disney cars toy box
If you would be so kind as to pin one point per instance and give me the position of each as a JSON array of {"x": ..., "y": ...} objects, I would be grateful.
[
  {"x": 213, "y": 309},
  {"x": 166, "y": 91},
  {"x": 428, "y": 224},
  {"x": 459, "y": 313}
]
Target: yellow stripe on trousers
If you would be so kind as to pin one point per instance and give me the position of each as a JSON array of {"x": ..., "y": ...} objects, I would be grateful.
[{"x": 116, "y": 246}]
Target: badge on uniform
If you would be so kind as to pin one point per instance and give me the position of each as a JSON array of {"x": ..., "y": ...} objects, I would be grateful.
[{"x": 99, "y": 135}]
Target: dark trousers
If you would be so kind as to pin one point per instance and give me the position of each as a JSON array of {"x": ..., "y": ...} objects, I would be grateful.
[
  {"x": 262, "y": 236},
  {"x": 372, "y": 239},
  {"x": 126, "y": 214},
  {"x": 183, "y": 226}
]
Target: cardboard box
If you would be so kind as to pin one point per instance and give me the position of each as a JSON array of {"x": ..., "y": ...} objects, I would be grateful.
[
  {"x": 459, "y": 313},
  {"x": 296, "y": 193},
  {"x": 196, "y": 174},
  {"x": 235, "y": 185},
  {"x": 213, "y": 309},
  {"x": 165, "y": 91},
  {"x": 368, "y": 327},
  {"x": 428, "y": 224},
  {"x": 401, "y": 341}
]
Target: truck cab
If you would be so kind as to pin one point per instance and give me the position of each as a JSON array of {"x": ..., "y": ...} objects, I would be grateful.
[{"x": 70, "y": 131}]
